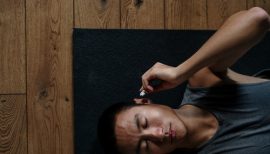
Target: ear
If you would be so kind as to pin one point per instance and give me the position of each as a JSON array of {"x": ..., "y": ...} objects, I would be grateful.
[{"x": 142, "y": 101}]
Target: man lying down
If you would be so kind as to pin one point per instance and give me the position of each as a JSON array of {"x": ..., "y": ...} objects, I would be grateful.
[{"x": 222, "y": 111}]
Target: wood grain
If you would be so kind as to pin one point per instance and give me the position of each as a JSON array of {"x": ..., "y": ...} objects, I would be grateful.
[
  {"x": 12, "y": 45},
  {"x": 142, "y": 14},
  {"x": 97, "y": 13},
  {"x": 181, "y": 14},
  {"x": 47, "y": 51},
  {"x": 220, "y": 10},
  {"x": 13, "y": 126},
  {"x": 49, "y": 78},
  {"x": 265, "y": 4}
]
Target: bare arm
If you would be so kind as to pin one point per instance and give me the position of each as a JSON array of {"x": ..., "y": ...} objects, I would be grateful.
[{"x": 234, "y": 38}]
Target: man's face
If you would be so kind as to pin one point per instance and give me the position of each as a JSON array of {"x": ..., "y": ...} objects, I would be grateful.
[{"x": 152, "y": 128}]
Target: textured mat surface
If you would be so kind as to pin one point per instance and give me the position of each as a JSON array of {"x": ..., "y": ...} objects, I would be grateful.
[{"x": 108, "y": 64}]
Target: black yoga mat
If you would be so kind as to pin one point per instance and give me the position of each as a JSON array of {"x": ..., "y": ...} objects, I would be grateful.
[{"x": 108, "y": 64}]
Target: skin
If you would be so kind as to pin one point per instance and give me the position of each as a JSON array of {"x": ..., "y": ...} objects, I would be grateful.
[
  {"x": 233, "y": 39},
  {"x": 155, "y": 123},
  {"x": 208, "y": 67},
  {"x": 162, "y": 129}
]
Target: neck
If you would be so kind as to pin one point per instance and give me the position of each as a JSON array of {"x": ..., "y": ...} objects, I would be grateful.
[{"x": 199, "y": 129}]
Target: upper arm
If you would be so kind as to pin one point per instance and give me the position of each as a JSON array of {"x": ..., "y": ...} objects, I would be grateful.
[
  {"x": 204, "y": 78},
  {"x": 207, "y": 77},
  {"x": 246, "y": 29}
]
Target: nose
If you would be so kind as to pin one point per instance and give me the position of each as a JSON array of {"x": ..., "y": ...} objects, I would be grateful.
[{"x": 155, "y": 134}]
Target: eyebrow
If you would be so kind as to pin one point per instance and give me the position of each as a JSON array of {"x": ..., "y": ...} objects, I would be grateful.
[{"x": 136, "y": 120}]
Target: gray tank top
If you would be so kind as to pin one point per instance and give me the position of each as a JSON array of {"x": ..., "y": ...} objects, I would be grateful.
[{"x": 243, "y": 113}]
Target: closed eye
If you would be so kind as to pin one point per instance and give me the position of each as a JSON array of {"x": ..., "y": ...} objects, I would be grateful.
[{"x": 145, "y": 123}]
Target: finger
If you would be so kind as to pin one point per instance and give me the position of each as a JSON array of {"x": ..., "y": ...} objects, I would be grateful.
[
  {"x": 143, "y": 78},
  {"x": 146, "y": 84},
  {"x": 142, "y": 88},
  {"x": 146, "y": 77}
]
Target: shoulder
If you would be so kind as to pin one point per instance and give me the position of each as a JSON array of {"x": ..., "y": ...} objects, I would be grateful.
[{"x": 207, "y": 78}]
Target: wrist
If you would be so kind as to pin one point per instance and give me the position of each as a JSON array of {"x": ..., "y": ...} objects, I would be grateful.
[
  {"x": 191, "y": 66},
  {"x": 182, "y": 73}
]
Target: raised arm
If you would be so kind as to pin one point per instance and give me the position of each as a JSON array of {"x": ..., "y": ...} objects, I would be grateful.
[{"x": 234, "y": 38}]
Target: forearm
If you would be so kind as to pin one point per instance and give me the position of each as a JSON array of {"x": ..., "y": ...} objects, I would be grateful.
[{"x": 238, "y": 34}]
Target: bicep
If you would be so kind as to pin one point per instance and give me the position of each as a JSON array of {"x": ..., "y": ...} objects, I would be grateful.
[
  {"x": 204, "y": 78},
  {"x": 229, "y": 59}
]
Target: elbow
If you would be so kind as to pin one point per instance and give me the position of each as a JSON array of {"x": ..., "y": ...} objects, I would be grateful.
[{"x": 260, "y": 16}]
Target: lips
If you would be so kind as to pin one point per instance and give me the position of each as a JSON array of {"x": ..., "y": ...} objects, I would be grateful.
[{"x": 172, "y": 133}]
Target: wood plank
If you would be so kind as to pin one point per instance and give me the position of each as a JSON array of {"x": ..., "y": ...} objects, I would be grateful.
[
  {"x": 49, "y": 76},
  {"x": 181, "y": 14},
  {"x": 220, "y": 10},
  {"x": 142, "y": 14},
  {"x": 97, "y": 13},
  {"x": 265, "y": 4},
  {"x": 12, "y": 45},
  {"x": 13, "y": 125}
]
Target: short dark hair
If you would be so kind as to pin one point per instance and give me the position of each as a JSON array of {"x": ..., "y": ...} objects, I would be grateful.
[{"x": 106, "y": 126}]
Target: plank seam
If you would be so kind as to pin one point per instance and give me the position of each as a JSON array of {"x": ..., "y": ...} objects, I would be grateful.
[
  {"x": 164, "y": 15},
  {"x": 25, "y": 50},
  {"x": 73, "y": 16},
  {"x": 12, "y": 94},
  {"x": 207, "y": 22},
  {"x": 120, "y": 16}
]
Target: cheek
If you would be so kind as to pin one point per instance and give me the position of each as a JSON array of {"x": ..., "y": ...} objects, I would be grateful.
[
  {"x": 160, "y": 117},
  {"x": 157, "y": 119}
]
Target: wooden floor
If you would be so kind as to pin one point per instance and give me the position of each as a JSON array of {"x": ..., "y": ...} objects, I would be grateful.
[{"x": 36, "y": 100}]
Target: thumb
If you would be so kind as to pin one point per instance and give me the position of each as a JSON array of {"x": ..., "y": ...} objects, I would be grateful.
[
  {"x": 152, "y": 85},
  {"x": 149, "y": 89}
]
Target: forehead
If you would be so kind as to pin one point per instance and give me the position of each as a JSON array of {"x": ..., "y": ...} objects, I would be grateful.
[{"x": 126, "y": 131}]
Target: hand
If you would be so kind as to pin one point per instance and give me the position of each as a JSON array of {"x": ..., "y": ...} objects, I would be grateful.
[{"x": 170, "y": 77}]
